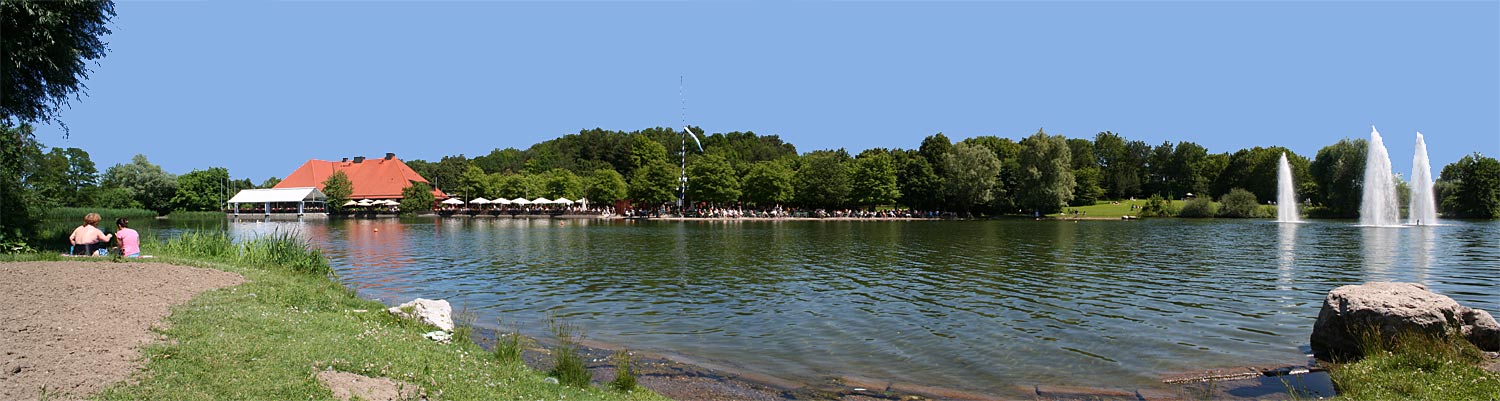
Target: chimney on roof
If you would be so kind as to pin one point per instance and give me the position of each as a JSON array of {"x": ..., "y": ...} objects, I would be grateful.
[
  {"x": 359, "y": 159},
  {"x": 346, "y": 160},
  {"x": 389, "y": 155}
]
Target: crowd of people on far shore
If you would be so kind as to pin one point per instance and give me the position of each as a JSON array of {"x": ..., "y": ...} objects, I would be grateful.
[
  {"x": 781, "y": 213},
  {"x": 89, "y": 240}
]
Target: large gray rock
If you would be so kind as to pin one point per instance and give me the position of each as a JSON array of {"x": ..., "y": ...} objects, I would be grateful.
[
  {"x": 1349, "y": 312},
  {"x": 1482, "y": 330},
  {"x": 437, "y": 313}
]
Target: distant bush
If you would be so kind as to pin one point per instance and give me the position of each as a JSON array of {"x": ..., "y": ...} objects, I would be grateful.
[
  {"x": 1197, "y": 208},
  {"x": 1239, "y": 203},
  {"x": 1156, "y": 207}
]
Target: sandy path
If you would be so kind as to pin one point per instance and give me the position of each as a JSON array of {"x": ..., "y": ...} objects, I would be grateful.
[{"x": 76, "y": 327}]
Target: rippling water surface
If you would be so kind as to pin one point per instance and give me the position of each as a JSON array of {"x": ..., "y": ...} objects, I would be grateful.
[{"x": 986, "y": 306}]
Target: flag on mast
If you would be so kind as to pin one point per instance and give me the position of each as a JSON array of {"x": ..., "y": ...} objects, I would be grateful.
[{"x": 690, "y": 134}]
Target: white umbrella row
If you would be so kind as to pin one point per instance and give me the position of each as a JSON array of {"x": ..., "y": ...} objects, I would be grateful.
[
  {"x": 516, "y": 201},
  {"x": 367, "y": 202}
]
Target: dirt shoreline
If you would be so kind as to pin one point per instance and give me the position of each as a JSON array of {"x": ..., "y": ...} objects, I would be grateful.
[{"x": 69, "y": 329}]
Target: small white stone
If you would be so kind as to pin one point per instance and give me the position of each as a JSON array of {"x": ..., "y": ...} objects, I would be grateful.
[
  {"x": 442, "y": 337},
  {"x": 437, "y": 313}
]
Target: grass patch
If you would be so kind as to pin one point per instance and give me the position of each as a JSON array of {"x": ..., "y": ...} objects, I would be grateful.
[
  {"x": 267, "y": 338},
  {"x": 1416, "y": 366},
  {"x": 1105, "y": 209}
]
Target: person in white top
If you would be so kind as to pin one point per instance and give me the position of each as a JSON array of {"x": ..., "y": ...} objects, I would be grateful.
[{"x": 87, "y": 239}]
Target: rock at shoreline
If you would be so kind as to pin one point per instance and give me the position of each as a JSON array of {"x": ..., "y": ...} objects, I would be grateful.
[
  {"x": 434, "y": 312},
  {"x": 1393, "y": 308},
  {"x": 1482, "y": 330}
]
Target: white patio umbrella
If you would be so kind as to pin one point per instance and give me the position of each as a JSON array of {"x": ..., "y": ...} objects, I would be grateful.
[
  {"x": 389, "y": 202},
  {"x": 501, "y": 201},
  {"x": 562, "y": 201},
  {"x": 520, "y": 201},
  {"x": 583, "y": 202},
  {"x": 365, "y": 202},
  {"x": 351, "y": 202},
  {"x": 479, "y": 201},
  {"x": 453, "y": 201},
  {"x": 541, "y": 201}
]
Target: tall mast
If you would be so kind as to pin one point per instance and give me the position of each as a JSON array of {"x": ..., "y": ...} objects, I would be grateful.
[{"x": 682, "y": 179}]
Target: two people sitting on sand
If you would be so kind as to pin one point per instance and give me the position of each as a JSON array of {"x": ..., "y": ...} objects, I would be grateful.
[{"x": 89, "y": 240}]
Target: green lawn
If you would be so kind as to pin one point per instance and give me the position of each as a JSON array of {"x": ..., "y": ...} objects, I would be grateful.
[
  {"x": 1103, "y": 209},
  {"x": 267, "y": 339}
]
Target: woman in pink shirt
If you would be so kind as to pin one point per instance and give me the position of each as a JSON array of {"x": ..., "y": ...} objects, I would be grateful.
[{"x": 130, "y": 241}]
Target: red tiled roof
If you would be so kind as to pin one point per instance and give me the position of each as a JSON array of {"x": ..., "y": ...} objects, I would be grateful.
[{"x": 372, "y": 178}]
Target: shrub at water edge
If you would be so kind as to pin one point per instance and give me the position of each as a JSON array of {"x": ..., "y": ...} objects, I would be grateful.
[
  {"x": 1197, "y": 208},
  {"x": 1239, "y": 203}
]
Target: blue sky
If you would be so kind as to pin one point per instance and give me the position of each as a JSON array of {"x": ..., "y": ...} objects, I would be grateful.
[{"x": 260, "y": 87}]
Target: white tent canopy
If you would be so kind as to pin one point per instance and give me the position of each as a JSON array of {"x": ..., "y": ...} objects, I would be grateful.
[
  {"x": 305, "y": 194},
  {"x": 453, "y": 201},
  {"x": 284, "y": 196}
]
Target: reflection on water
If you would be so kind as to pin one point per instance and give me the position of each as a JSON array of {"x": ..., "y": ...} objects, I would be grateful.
[
  {"x": 1422, "y": 238},
  {"x": 988, "y": 306},
  {"x": 1286, "y": 234},
  {"x": 1379, "y": 248}
]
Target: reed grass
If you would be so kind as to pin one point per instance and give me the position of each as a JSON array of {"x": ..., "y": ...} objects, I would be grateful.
[
  {"x": 277, "y": 250},
  {"x": 510, "y": 344},
  {"x": 76, "y": 213},
  {"x": 186, "y": 215},
  {"x": 624, "y": 372},
  {"x": 568, "y": 368}
]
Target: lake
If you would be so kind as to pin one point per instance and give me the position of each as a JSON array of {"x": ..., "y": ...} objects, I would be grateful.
[{"x": 984, "y": 306}]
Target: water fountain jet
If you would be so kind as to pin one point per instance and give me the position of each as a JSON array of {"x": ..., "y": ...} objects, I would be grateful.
[
  {"x": 1286, "y": 194},
  {"x": 1423, "y": 209},
  {"x": 1378, "y": 206}
]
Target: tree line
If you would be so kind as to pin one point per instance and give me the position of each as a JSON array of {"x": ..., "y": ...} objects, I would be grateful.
[{"x": 985, "y": 175}]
